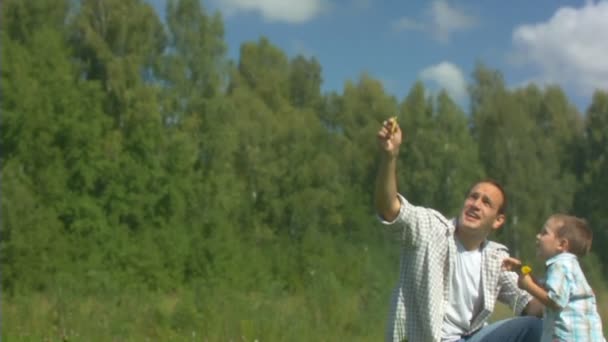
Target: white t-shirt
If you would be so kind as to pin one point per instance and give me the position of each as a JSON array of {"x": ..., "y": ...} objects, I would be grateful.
[{"x": 465, "y": 294}]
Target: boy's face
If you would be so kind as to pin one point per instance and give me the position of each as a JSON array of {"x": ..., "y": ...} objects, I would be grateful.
[{"x": 548, "y": 244}]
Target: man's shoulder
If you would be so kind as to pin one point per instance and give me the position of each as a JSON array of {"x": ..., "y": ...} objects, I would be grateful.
[
  {"x": 412, "y": 209},
  {"x": 441, "y": 217},
  {"x": 496, "y": 248}
]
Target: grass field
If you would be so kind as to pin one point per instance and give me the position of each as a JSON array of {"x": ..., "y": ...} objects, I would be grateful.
[
  {"x": 186, "y": 316},
  {"x": 180, "y": 317}
]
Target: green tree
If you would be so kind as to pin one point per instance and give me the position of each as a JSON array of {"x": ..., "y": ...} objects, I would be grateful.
[
  {"x": 52, "y": 134},
  {"x": 192, "y": 74},
  {"x": 305, "y": 82},
  {"x": 457, "y": 153},
  {"x": 526, "y": 139},
  {"x": 265, "y": 69},
  {"x": 418, "y": 127},
  {"x": 194, "y": 67},
  {"x": 590, "y": 197},
  {"x": 439, "y": 155},
  {"x": 356, "y": 117},
  {"x": 505, "y": 134},
  {"x": 118, "y": 44},
  {"x": 558, "y": 128}
]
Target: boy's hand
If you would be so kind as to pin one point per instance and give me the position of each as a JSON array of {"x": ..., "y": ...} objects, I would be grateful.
[{"x": 524, "y": 281}]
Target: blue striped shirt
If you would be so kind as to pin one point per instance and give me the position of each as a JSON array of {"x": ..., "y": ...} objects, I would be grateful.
[{"x": 578, "y": 319}]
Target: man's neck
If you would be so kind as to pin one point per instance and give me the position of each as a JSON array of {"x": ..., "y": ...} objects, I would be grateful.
[{"x": 469, "y": 243}]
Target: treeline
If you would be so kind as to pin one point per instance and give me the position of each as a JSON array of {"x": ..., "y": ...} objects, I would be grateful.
[{"x": 137, "y": 158}]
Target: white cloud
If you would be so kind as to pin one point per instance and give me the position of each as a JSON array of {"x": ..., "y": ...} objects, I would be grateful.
[
  {"x": 570, "y": 49},
  {"x": 449, "y": 19},
  {"x": 276, "y": 10},
  {"x": 449, "y": 77},
  {"x": 441, "y": 20}
]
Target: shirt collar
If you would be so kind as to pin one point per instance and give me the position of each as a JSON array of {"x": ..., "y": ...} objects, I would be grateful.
[
  {"x": 454, "y": 222},
  {"x": 560, "y": 256}
]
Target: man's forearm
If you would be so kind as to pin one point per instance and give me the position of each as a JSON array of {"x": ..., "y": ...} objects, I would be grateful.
[{"x": 386, "y": 201}]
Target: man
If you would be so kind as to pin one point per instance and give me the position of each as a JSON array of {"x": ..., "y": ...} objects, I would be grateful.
[{"x": 451, "y": 275}]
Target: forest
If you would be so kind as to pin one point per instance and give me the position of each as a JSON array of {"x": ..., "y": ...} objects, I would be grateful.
[{"x": 153, "y": 189}]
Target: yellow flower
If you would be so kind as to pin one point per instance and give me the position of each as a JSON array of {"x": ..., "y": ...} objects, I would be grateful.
[
  {"x": 526, "y": 269},
  {"x": 393, "y": 124}
]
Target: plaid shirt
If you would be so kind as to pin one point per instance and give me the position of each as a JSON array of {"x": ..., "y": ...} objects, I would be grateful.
[
  {"x": 427, "y": 262},
  {"x": 566, "y": 285}
]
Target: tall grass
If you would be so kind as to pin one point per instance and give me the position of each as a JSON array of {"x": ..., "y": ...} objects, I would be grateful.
[{"x": 189, "y": 315}]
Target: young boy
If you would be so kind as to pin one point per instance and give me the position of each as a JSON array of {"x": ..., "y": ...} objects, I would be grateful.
[{"x": 570, "y": 306}]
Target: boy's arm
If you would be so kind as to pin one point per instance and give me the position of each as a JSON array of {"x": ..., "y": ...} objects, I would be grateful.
[
  {"x": 534, "y": 308},
  {"x": 527, "y": 283}
]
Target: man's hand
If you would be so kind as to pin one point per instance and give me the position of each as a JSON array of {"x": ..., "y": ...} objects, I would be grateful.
[
  {"x": 511, "y": 264},
  {"x": 389, "y": 137},
  {"x": 515, "y": 265}
]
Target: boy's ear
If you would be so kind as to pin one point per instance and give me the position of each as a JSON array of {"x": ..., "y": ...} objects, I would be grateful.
[{"x": 564, "y": 244}]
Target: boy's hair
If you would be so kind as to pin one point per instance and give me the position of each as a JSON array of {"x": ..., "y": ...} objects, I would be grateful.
[{"x": 576, "y": 231}]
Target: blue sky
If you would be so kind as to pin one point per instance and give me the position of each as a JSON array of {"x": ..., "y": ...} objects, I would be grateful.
[{"x": 439, "y": 42}]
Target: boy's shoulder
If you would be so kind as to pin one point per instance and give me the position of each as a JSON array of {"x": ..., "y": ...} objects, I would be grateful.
[
  {"x": 565, "y": 263},
  {"x": 564, "y": 259}
]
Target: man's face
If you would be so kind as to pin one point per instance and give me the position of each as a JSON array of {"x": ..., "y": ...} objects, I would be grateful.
[{"x": 480, "y": 210}]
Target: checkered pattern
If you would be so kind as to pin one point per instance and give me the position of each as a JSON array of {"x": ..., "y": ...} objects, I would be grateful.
[
  {"x": 567, "y": 286},
  {"x": 427, "y": 259}
]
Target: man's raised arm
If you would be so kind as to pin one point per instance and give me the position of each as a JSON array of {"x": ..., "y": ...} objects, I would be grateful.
[{"x": 389, "y": 139}]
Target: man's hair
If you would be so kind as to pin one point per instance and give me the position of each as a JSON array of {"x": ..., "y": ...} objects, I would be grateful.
[
  {"x": 576, "y": 231},
  {"x": 503, "y": 207}
]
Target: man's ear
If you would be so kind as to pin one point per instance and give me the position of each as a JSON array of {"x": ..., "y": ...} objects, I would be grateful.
[{"x": 498, "y": 221}]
